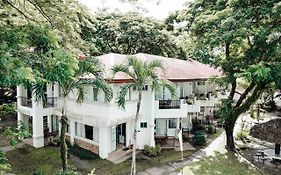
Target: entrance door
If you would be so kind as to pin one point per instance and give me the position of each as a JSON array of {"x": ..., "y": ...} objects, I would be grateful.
[
  {"x": 113, "y": 139},
  {"x": 121, "y": 135}
]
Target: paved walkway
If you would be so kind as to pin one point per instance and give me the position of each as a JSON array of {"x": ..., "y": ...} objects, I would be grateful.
[
  {"x": 10, "y": 148},
  {"x": 218, "y": 145}
]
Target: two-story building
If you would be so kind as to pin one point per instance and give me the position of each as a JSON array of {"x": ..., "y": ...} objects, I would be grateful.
[{"x": 103, "y": 127}]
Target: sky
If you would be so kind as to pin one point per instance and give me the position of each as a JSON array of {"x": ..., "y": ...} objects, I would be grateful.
[{"x": 158, "y": 9}]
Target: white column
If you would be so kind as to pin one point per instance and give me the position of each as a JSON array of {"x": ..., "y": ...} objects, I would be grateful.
[
  {"x": 19, "y": 118},
  {"x": 71, "y": 130},
  {"x": 49, "y": 121},
  {"x": 49, "y": 90},
  {"x": 104, "y": 141},
  {"x": 19, "y": 94},
  {"x": 152, "y": 118},
  {"x": 56, "y": 90},
  {"x": 37, "y": 123}
]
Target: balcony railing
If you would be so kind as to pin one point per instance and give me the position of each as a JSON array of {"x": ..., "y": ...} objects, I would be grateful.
[
  {"x": 169, "y": 104},
  {"x": 47, "y": 103},
  {"x": 50, "y": 102},
  {"x": 26, "y": 101}
]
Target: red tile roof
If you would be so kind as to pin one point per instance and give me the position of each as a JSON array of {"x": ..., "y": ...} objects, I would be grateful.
[{"x": 175, "y": 69}]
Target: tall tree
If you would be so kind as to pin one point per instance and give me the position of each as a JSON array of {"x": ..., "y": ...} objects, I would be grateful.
[
  {"x": 63, "y": 68},
  {"x": 130, "y": 33},
  {"x": 67, "y": 18},
  {"x": 243, "y": 39},
  {"x": 143, "y": 74}
]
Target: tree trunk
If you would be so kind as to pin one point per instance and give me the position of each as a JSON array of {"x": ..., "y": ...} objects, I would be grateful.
[
  {"x": 134, "y": 167},
  {"x": 63, "y": 146},
  {"x": 229, "y": 137},
  {"x": 277, "y": 149}
]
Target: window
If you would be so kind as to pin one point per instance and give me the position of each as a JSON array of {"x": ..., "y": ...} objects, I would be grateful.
[
  {"x": 145, "y": 88},
  {"x": 201, "y": 83},
  {"x": 89, "y": 132},
  {"x": 128, "y": 95},
  {"x": 172, "y": 123},
  {"x": 143, "y": 124},
  {"x": 95, "y": 93}
]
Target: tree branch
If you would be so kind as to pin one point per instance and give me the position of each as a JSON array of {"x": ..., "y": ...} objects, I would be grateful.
[
  {"x": 244, "y": 95},
  {"x": 41, "y": 11},
  {"x": 17, "y": 9}
]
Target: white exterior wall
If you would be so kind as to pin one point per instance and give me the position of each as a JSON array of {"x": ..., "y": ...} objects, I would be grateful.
[{"x": 104, "y": 116}]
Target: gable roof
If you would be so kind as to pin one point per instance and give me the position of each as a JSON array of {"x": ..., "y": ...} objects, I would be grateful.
[{"x": 175, "y": 69}]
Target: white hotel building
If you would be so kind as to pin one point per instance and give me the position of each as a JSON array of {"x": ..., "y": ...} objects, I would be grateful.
[{"x": 103, "y": 127}]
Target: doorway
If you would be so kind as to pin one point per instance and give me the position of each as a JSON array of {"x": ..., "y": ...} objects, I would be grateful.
[{"x": 118, "y": 136}]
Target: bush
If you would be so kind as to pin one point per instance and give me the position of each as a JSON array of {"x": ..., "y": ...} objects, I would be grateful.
[
  {"x": 211, "y": 129},
  {"x": 242, "y": 135},
  {"x": 7, "y": 110},
  {"x": 152, "y": 151},
  {"x": 82, "y": 153},
  {"x": 54, "y": 141},
  {"x": 199, "y": 138}
]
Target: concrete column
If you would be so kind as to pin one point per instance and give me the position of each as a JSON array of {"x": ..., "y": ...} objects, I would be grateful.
[
  {"x": 49, "y": 121},
  {"x": 56, "y": 90},
  {"x": 152, "y": 118},
  {"x": 37, "y": 130},
  {"x": 49, "y": 90},
  {"x": 19, "y": 95},
  {"x": 71, "y": 131},
  {"x": 37, "y": 123},
  {"x": 19, "y": 118},
  {"x": 104, "y": 141}
]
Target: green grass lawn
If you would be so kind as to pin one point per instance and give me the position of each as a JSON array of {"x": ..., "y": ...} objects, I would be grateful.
[
  {"x": 221, "y": 164},
  {"x": 27, "y": 160},
  {"x": 104, "y": 167}
]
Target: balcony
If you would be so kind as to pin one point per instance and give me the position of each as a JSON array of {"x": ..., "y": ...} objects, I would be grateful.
[
  {"x": 26, "y": 101},
  {"x": 47, "y": 103},
  {"x": 50, "y": 102},
  {"x": 169, "y": 104}
]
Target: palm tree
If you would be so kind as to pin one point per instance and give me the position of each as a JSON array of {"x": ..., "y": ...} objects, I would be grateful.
[
  {"x": 143, "y": 74},
  {"x": 68, "y": 72}
]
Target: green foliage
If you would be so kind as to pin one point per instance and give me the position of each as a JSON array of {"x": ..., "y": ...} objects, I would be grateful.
[
  {"x": 70, "y": 171},
  {"x": 4, "y": 165},
  {"x": 211, "y": 129},
  {"x": 199, "y": 138},
  {"x": 82, "y": 153},
  {"x": 13, "y": 134},
  {"x": 242, "y": 135},
  {"x": 152, "y": 151},
  {"x": 131, "y": 33},
  {"x": 7, "y": 110},
  {"x": 142, "y": 73}
]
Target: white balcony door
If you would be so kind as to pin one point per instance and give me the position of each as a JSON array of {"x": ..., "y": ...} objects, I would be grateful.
[{"x": 113, "y": 138}]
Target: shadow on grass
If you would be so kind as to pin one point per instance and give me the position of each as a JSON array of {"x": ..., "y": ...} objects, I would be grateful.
[{"x": 221, "y": 164}]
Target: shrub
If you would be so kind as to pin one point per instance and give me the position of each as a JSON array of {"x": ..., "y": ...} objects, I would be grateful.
[
  {"x": 152, "y": 151},
  {"x": 189, "y": 101},
  {"x": 199, "y": 138},
  {"x": 211, "y": 129},
  {"x": 242, "y": 135},
  {"x": 82, "y": 153},
  {"x": 70, "y": 171},
  {"x": 7, "y": 110},
  {"x": 54, "y": 141}
]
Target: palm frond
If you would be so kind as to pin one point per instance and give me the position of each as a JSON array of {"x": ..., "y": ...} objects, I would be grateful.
[
  {"x": 81, "y": 94},
  {"x": 104, "y": 86},
  {"x": 170, "y": 86},
  {"x": 121, "y": 97},
  {"x": 123, "y": 69},
  {"x": 152, "y": 65}
]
